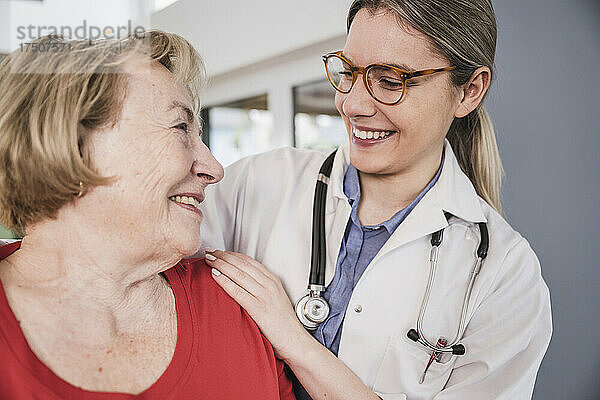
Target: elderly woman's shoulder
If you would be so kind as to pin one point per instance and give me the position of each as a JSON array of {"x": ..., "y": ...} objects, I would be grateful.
[
  {"x": 204, "y": 295},
  {"x": 193, "y": 273}
]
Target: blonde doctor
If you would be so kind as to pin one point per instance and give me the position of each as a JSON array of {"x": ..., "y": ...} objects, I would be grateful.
[{"x": 421, "y": 164}]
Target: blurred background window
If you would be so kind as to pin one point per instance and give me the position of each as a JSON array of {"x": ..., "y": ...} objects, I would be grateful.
[
  {"x": 317, "y": 123},
  {"x": 6, "y": 234},
  {"x": 238, "y": 129}
]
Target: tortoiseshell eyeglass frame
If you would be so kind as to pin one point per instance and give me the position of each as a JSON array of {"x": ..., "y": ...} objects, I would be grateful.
[{"x": 404, "y": 75}]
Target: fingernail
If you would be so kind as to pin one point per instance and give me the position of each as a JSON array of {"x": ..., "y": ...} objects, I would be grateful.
[
  {"x": 216, "y": 272},
  {"x": 209, "y": 250},
  {"x": 210, "y": 257}
]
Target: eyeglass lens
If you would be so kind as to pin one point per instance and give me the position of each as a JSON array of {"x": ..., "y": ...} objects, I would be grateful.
[{"x": 385, "y": 84}]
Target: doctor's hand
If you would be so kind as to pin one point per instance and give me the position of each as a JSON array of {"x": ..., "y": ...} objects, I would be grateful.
[{"x": 261, "y": 294}]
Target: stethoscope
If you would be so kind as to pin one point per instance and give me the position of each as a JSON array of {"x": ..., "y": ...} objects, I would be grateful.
[{"x": 312, "y": 309}]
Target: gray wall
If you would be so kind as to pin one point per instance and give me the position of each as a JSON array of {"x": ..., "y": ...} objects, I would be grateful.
[{"x": 546, "y": 109}]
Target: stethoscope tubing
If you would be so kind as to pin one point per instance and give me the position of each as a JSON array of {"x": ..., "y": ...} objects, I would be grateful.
[
  {"x": 452, "y": 346},
  {"x": 319, "y": 246},
  {"x": 312, "y": 309},
  {"x": 317, "y": 272}
]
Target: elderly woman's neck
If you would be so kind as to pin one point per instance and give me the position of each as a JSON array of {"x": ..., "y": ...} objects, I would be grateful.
[{"x": 110, "y": 277}]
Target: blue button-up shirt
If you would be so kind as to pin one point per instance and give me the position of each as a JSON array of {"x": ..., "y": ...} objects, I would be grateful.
[{"x": 359, "y": 246}]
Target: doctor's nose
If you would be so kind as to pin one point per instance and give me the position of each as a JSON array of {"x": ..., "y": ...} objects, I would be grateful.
[{"x": 358, "y": 102}]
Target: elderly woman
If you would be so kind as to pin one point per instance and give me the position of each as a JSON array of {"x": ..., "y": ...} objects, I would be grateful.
[{"x": 103, "y": 172}]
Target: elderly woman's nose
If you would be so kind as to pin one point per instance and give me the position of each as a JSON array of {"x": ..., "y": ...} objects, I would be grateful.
[
  {"x": 206, "y": 166},
  {"x": 358, "y": 102}
]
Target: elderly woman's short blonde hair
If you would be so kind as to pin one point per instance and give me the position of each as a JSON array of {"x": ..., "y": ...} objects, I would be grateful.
[{"x": 51, "y": 97}]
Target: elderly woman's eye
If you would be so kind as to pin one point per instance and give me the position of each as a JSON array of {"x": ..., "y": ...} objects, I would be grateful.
[{"x": 183, "y": 126}]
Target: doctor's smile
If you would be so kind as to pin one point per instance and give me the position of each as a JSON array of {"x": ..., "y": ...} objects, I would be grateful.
[{"x": 366, "y": 136}]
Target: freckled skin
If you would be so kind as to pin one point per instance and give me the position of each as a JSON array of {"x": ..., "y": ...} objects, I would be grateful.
[
  {"x": 151, "y": 161},
  {"x": 395, "y": 170},
  {"x": 421, "y": 119}
]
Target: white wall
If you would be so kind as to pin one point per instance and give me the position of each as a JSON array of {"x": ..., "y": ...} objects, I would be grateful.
[
  {"x": 235, "y": 33},
  {"x": 256, "y": 47}
]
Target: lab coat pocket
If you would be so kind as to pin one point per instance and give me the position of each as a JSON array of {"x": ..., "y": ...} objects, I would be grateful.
[{"x": 401, "y": 368}]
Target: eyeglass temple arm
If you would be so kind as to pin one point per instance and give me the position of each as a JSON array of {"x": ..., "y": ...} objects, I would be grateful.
[{"x": 414, "y": 74}]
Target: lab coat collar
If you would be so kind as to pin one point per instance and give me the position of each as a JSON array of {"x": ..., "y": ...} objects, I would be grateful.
[
  {"x": 341, "y": 162},
  {"x": 453, "y": 192}
]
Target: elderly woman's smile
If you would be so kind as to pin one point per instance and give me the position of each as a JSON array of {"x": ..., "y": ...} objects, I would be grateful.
[
  {"x": 105, "y": 171},
  {"x": 190, "y": 201},
  {"x": 160, "y": 164}
]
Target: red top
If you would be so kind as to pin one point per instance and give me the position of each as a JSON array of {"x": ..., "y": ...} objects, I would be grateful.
[{"x": 220, "y": 352}]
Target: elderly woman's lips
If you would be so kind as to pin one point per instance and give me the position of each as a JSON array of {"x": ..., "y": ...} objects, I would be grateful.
[{"x": 189, "y": 202}]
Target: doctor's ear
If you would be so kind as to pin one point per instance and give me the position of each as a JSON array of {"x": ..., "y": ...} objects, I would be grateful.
[{"x": 472, "y": 92}]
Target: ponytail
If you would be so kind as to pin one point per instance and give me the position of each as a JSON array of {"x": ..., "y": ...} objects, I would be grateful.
[{"x": 474, "y": 142}]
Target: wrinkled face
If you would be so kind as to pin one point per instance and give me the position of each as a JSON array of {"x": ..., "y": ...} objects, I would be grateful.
[
  {"x": 413, "y": 131},
  {"x": 160, "y": 164}
]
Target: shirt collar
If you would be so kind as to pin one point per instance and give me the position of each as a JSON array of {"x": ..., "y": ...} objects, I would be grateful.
[{"x": 352, "y": 191}]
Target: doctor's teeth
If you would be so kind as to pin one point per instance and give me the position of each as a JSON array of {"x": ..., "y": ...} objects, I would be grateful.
[{"x": 370, "y": 134}]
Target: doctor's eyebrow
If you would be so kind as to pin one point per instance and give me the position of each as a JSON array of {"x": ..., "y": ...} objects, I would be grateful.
[
  {"x": 401, "y": 66},
  {"x": 189, "y": 114}
]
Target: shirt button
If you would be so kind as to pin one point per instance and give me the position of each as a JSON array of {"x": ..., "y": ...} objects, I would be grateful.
[{"x": 358, "y": 308}]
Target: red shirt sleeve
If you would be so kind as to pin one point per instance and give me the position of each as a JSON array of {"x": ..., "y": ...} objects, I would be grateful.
[{"x": 286, "y": 391}]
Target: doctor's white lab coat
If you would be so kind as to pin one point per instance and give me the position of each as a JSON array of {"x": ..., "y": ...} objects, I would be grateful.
[{"x": 263, "y": 208}]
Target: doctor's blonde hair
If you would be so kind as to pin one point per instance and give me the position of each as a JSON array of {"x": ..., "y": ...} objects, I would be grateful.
[
  {"x": 54, "y": 96},
  {"x": 464, "y": 32}
]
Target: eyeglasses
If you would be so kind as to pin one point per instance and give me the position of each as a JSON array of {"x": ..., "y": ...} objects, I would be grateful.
[{"x": 385, "y": 83}]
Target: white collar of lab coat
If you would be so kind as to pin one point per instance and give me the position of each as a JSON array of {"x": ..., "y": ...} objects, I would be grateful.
[{"x": 453, "y": 192}]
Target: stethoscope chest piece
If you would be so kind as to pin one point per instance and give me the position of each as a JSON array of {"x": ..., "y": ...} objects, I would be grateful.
[{"x": 312, "y": 310}]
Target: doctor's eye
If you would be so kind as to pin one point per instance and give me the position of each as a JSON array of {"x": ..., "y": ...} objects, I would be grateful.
[{"x": 390, "y": 83}]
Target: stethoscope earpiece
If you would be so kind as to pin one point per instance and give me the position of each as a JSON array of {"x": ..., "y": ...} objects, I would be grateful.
[
  {"x": 458, "y": 349},
  {"x": 413, "y": 335}
]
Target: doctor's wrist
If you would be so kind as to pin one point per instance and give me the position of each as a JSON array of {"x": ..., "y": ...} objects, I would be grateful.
[{"x": 302, "y": 344}]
